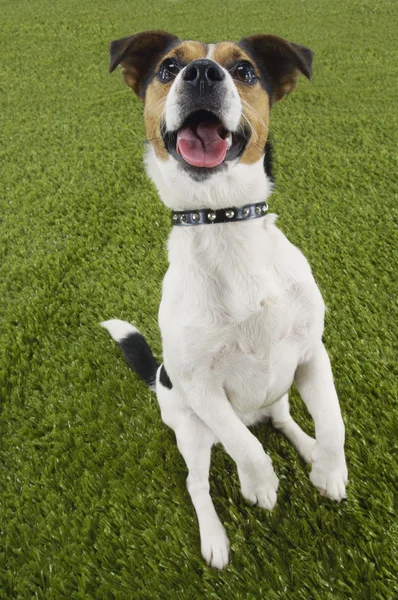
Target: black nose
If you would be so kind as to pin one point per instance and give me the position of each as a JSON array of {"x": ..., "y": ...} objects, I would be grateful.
[{"x": 203, "y": 74}]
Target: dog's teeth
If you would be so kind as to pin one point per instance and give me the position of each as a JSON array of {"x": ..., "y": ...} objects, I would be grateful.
[{"x": 228, "y": 139}]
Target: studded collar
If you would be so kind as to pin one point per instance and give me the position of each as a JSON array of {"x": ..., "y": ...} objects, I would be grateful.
[{"x": 207, "y": 216}]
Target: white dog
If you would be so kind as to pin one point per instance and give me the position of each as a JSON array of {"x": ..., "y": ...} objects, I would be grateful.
[{"x": 241, "y": 316}]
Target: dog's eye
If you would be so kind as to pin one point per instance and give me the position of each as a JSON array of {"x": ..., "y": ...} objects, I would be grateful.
[
  {"x": 168, "y": 69},
  {"x": 245, "y": 72}
]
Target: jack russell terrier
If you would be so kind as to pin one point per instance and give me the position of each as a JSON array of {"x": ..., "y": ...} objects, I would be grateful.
[{"x": 241, "y": 316}]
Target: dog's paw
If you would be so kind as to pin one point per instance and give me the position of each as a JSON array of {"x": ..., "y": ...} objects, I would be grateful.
[
  {"x": 329, "y": 474},
  {"x": 215, "y": 546},
  {"x": 260, "y": 490}
]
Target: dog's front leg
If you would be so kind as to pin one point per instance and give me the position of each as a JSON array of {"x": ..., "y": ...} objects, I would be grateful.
[
  {"x": 259, "y": 483},
  {"x": 314, "y": 381},
  {"x": 194, "y": 440}
]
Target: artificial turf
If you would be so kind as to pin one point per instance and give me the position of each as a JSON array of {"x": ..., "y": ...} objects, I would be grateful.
[{"x": 93, "y": 501}]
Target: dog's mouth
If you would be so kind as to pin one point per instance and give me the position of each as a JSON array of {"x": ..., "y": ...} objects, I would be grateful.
[{"x": 202, "y": 141}]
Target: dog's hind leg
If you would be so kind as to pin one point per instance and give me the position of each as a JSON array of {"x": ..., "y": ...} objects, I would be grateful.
[
  {"x": 195, "y": 440},
  {"x": 283, "y": 421}
]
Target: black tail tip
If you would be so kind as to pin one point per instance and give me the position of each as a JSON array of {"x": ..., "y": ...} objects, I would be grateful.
[{"x": 135, "y": 349}]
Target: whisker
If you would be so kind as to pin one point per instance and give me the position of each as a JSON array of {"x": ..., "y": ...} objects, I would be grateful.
[
  {"x": 250, "y": 125},
  {"x": 254, "y": 141},
  {"x": 250, "y": 110},
  {"x": 163, "y": 99},
  {"x": 155, "y": 107}
]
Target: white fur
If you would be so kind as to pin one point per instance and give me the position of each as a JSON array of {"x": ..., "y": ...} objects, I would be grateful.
[
  {"x": 119, "y": 329},
  {"x": 241, "y": 319},
  {"x": 241, "y": 183},
  {"x": 210, "y": 50}
]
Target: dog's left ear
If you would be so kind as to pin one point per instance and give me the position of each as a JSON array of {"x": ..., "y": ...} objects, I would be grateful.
[
  {"x": 138, "y": 55},
  {"x": 280, "y": 60}
]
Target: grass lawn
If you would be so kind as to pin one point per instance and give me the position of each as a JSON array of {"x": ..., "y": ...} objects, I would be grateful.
[{"x": 93, "y": 501}]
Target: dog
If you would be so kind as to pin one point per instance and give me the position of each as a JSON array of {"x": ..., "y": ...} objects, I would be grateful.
[{"x": 241, "y": 316}]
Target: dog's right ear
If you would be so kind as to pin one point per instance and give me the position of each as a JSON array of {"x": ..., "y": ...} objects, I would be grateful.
[{"x": 138, "y": 55}]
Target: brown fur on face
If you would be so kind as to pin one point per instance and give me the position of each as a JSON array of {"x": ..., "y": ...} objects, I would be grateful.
[
  {"x": 255, "y": 101},
  {"x": 155, "y": 102}
]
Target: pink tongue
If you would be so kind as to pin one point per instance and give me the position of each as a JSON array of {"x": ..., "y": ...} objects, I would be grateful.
[{"x": 203, "y": 146}]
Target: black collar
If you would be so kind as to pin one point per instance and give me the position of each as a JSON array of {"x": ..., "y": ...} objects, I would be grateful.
[{"x": 208, "y": 216}]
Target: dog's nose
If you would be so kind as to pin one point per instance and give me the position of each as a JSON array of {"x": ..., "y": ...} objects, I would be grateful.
[{"x": 203, "y": 74}]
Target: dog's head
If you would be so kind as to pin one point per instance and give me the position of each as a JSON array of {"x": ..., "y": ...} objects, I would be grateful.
[{"x": 207, "y": 105}]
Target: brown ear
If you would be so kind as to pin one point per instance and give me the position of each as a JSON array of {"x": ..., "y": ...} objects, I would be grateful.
[
  {"x": 138, "y": 55},
  {"x": 279, "y": 60}
]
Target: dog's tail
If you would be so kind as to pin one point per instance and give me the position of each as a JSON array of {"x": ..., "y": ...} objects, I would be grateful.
[{"x": 135, "y": 349}]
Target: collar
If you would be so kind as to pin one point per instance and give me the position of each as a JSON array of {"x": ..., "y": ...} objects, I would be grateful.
[{"x": 208, "y": 216}]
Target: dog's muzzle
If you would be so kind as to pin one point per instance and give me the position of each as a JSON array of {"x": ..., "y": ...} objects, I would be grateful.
[{"x": 202, "y": 143}]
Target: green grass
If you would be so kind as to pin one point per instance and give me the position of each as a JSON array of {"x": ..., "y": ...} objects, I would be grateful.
[{"x": 93, "y": 501}]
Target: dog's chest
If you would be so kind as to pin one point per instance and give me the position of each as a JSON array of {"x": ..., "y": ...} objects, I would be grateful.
[
  {"x": 245, "y": 323},
  {"x": 258, "y": 357}
]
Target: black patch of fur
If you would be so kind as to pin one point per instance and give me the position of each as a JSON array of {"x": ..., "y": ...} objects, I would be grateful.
[
  {"x": 268, "y": 160},
  {"x": 139, "y": 357},
  {"x": 164, "y": 378}
]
